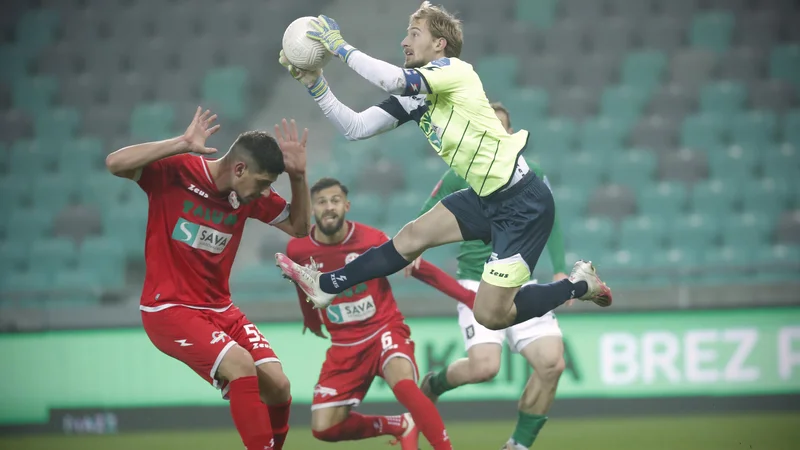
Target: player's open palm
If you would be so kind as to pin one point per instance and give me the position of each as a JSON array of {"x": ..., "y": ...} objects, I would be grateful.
[
  {"x": 293, "y": 147},
  {"x": 199, "y": 130}
]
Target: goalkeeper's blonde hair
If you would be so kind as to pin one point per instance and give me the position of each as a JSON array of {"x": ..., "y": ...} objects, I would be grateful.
[{"x": 442, "y": 25}]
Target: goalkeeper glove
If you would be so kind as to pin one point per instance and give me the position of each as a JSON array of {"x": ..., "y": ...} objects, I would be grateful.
[
  {"x": 311, "y": 79},
  {"x": 327, "y": 32}
]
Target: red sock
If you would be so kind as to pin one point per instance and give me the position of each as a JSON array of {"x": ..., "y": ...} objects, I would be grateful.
[
  {"x": 424, "y": 413},
  {"x": 250, "y": 414},
  {"x": 279, "y": 421},
  {"x": 357, "y": 426}
]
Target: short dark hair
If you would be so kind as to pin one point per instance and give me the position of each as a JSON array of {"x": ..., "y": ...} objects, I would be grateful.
[
  {"x": 262, "y": 150},
  {"x": 325, "y": 183},
  {"x": 497, "y": 106}
]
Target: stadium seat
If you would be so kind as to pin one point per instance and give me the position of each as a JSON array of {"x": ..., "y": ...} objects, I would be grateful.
[
  {"x": 553, "y": 135},
  {"x": 716, "y": 198},
  {"x": 712, "y": 31},
  {"x": 602, "y": 135},
  {"x": 634, "y": 168},
  {"x": 16, "y": 192},
  {"x": 540, "y": 13},
  {"x": 643, "y": 69},
  {"x": 368, "y": 209},
  {"x": 726, "y": 265},
  {"x": 545, "y": 72},
  {"x": 692, "y": 67},
  {"x": 676, "y": 266},
  {"x": 127, "y": 226},
  {"x": 626, "y": 266},
  {"x": 422, "y": 179},
  {"x": 32, "y": 157},
  {"x": 784, "y": 63},
  {"x": 743, "y": 64},
  {"x": 672, "y": 100},
  {"x": 756, "y": 128},
  {"x": 34, "y": 94},
  {"x": 723, "y": 98},
  {"x": 15, "y": 255},
  {"x": 526, "y": 105},
  {"x": 591, "y": 236},
  {"x": 226, "y": 89},
  {"x": 74, "y": 288},
  {"x": 81, "y": 157},
  {"x": 105, "y": 190},
  {"x": 782, "y": 162},
  {"x": 685, "y": 165},
  {"x": 152, "y": 121},
  {"x": 735, "y": 163},
  {"x": 624, "y": 102},
  {"x": 665, "y": 34},
  {"x": 15, "y": 63},
  {"x": 61, "y": 123},
  {"x": 643, "y": 233},
  {"x": 497, "y": 72},
  {"x": 575, "y": 103},
  {"x": 570, "y": 202},
  {"x": 586, "y": 169},
  {"x": 613, "y": 201},
  {"x": 37, "y": 28},
  {"x": 703, "y": 131},
  {"x": 773, "y": 95},
  {"x": 767, "y": 196},
  {"x": 662, "y": 201},
  {"x": 791, "y": 128},
  {"x": 401, "y": 209},
  {"x": 655, "y": 133},
  {"x": 26, "y": 289},
  {"x": 747, "y": 231},
  {"x": 248, "y": 284},
  {"x": 693, "y": 231},
  {"x": 778, "y": 262},
  {"x": 52, "y": 255},
  {"x": 54, "y": 192}
]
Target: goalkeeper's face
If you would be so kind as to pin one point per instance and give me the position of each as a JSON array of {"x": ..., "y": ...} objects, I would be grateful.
[
  {"x": 330, "y": 208},
  {"x": 419, "y": 46}
]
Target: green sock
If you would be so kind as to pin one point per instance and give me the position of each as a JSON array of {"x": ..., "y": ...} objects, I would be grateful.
[
  {"x": 528, "y": 426},
  {"x": 439, "y": 384}
]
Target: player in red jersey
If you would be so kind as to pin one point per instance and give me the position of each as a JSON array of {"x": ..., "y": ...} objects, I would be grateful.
[
  {"x": 368, "y": 334},
  {"x": 197, "y": 211}
]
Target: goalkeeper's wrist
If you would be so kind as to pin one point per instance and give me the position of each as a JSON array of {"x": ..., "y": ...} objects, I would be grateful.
[
  {"x": 344, "y": 51},
  {"x": 319, "y": 88}
]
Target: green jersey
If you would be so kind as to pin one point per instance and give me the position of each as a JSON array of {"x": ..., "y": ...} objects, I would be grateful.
[
  {"x": 463, "y": 128},
  {"x": 473, "y": 254}
]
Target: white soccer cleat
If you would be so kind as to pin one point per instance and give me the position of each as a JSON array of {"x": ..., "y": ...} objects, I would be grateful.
[
  {"x": 305, "y": 277},
  {"x": 598, "y": 292},
  {"x": 511, "y": 445}
]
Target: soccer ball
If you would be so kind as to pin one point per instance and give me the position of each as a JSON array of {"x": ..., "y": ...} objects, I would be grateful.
[{"x": 302, "y": 51}]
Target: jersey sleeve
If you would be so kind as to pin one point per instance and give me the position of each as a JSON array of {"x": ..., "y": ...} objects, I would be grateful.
[
  {"x": 271, "y": 209},
  {"x": 395, "y": 108},
  {"x": 439, "y": 76},
  {"x": 555, "y": 244},
  {"x": 154, "y": 176},
  {"x": 449, "y": 183}
]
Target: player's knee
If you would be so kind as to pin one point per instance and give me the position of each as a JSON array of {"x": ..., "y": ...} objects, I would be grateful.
[
  {"x": 276, "y": 390},
  {"x": 483, "y": 370},
  {"x": 410, "y": 241},
  {"x": 489, "y": 319},
  {"x": 237, "y": 363},
  {"x": 550, "y": 367},
  {"x": 326, "y": 435}
]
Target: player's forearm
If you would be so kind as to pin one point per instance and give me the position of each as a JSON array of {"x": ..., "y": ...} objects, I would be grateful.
[
  {"x": 351, "y": 124},
  {"x": 300, "y": 208},
  {"x": 127, "y": 160},
  {"x": 438, "y": 279},
  {"x": 390, "y": 78},
  {"x": 555, "y": 248}
]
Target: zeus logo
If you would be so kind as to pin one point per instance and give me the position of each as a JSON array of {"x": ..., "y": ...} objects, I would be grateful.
[
  {"x": 183, "y": 342},
  {"x": 334, "y": 280},
  {"x": 197, "y": 191},
  {"x": 498, "y": 274}
]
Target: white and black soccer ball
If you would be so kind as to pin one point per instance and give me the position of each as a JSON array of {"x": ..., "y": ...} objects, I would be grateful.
[{"x": 302, "y": 51}]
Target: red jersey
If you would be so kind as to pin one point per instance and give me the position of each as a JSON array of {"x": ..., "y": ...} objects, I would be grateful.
[
  {"x": 365, "y": 309},
  {"x": 193, "y": 232}
]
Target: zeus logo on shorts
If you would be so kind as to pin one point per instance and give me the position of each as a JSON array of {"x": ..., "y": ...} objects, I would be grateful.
[
  {"x": 352, "y": 311},
  {"x": 201, "y": 237},
  {"x": 498, "y": 274}
]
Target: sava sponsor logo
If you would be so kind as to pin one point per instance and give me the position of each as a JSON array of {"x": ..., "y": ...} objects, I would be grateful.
[
  {"x": 353, "y": 311},
  {"x": 200, "y": 237}
]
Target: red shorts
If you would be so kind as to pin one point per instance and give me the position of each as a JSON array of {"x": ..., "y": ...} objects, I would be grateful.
[
  {"x": 200, "y": 338},
  {"x": 348, "y": 370}
]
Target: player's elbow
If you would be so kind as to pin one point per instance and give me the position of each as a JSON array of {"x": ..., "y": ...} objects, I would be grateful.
[{"x": 116, "y": 166}]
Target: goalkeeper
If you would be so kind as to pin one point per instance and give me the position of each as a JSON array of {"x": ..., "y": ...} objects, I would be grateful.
[{"x": 506, "y": 204}]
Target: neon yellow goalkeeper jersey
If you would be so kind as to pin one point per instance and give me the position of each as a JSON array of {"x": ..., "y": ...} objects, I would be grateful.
[{"x": 459, "y": 123}]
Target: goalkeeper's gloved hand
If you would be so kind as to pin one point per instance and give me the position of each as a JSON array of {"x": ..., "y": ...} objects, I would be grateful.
[
  {"x": 327, "y": 32},
  {"x": 311, "y": 79}
]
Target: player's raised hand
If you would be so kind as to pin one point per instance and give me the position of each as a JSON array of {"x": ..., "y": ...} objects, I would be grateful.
[
  {"x": 293, "y": 147},
  {"x": 409, "y": 269},
  {"x": 199, "y": 130},
  {"x": 307, "y": 77},
  {"x": 327, "y": 32}
]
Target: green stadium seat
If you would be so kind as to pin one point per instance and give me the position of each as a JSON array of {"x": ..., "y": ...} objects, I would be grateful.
[
  {"x": 643, "y": 69},
  {"x": 105, "y": 190},
  {"x": 570, "y": 203},
  {"x": 28, "y": 224},
  {"x": 712, "y": 31},
  {"x": 693, "y": 231},
  {"x": 784, "y": 63},
  {"x": 767, "y": 196},
  {"x": 553, "y": 135},
  {"x": 75, "y": 288},
  {"x": 782, "y": 162},
  {"x": 791, "y": 128},
  {"x": 747, "y": 231},
  {"x": 15, "y": 255},
  {"x": 703, "y": 131},
  {"x": 226, "y": 89},
  {"x": 586, "y": 170},
  {"x": 725, "y": 265},
  {"x": 424, "y": 176},
  {"x": 663, "y": 201},
  {"x": 16, "y": 191},
  {"x": 32, "y": 157},
  {"x": 541, "y": 13},
  {"x": 403, "y": 208},
  {"x": 367, "y": 208},
  {"x": 28, "y": 288},
  {"x": 733, "y": 164},
  {"x": 35, "y": 94},
  {"x": 603, "y": 134},
  {"x": 248, "y": 284},
  {"x": 626, "y": 267},
  {"x": 526, "y": 105},
  {"x": 724, "y": 98},
  {"x": 152, "y": 121},
  {"x": 54, "y": 192},
  {"x": 52, "y": 255},
  {"x": 633, "y": 168},
  {"x": 61, "y": 123},
  {"x": 643, "y": 233},
  {"x": 127, "y": 226},
  {"x": 81, "y": 157},
  {"x": 756, "y": 128},
  {"x": 716, "y": 197},
  {"x": 778, "y": 262},
  {"x": 443, "y": 256},
  {"x": 596, "y": 235},
  {"x": 497, "y": 72},
  {"x": 37, "y": 28},
  {"x": 15, "y": 63},
  {"x": 676, "y": 266},
  {"x": 103, "y": 257},
  {"x": 624, "y": 102}
]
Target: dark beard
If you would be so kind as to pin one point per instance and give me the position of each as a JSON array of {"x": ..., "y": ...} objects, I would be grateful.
[{"x": 332, "y": 230}]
